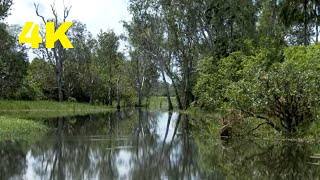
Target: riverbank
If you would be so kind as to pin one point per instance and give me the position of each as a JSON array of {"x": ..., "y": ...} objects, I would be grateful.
[
  {"x": 18, "y": 119},
  {"x": 49, "y": 106},
  {"x": 46, "y": 109},
  {"x": 16, "y": 129}
]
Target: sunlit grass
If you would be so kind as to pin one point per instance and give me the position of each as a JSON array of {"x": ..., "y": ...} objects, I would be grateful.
[
  {"x": 46, "y": 109},
  {"x": 15, "y": 129}
]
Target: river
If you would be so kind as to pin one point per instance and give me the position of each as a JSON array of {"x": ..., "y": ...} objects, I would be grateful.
[{"x": 137, "y": 144}]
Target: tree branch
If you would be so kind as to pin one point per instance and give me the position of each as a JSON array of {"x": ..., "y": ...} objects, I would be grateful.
[
  {"x": 268, "y": 121},
  {"x": 36, "y": 6}
]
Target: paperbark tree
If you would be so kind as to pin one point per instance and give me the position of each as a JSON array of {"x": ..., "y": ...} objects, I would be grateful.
[{"x": 55, "y": 55}]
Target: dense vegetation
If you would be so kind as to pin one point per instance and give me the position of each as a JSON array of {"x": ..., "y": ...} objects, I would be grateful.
[{"x": 246, "y": 59}]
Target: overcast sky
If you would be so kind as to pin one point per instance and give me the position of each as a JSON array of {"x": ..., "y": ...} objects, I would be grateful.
[{"x": 96, "y": 14}]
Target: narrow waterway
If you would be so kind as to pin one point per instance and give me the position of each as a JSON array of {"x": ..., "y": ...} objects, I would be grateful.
[{"x": 136, "y": 144}]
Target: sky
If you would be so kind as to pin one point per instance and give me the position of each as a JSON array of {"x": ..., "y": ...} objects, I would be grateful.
[{"x": 96, "y": 14}]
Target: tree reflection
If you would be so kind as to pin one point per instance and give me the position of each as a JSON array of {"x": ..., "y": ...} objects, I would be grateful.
[
  {"x": 259, "y": 159},
  {"x": 12, "y": 160},
  {"x": 150, "y": 145}
]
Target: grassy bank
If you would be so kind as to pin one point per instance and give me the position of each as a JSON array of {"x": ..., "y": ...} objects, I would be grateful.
[
  {"x": 14, "y": 115},
  {"x": 15, "y": 129},
  {"x": 15, "y": 123},
  {"x": 48, "y": 106},
  {"x": 39, "y": 109}
]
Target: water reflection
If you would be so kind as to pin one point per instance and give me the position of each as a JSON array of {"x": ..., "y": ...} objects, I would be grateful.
[
  {"x": 247, "y": 159},
  {"x": 149, "y": 145}
]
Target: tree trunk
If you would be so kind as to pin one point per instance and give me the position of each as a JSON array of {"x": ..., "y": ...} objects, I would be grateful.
[
  {"x": 139, "y": 97},
  {"x": 59, "y": 70},
  {"x": 59, "y": 81},
  {"x": 317, "y": 29},
  {"x": 110, "y": 93},
  {"x": 110, "y": 82},
  {"x": 187, "y": 86},
  {"x": 274, "y": 17},
  {"x": 167, "y": 87},
  {"x": 305, "y": 22},
  {"x": 177, "y": 94},
  {"x": 170, "y": 75},
  {"x": 118, "y": 93},
  {"x": 139, "y": 81},
  {"x": 91, "y": 98}
]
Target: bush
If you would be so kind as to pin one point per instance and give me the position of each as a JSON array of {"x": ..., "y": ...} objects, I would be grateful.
[
  {"x": 72, "y": 99},
  {"x": 29, "y": 91},
  {"x": 285, "y": 93}
]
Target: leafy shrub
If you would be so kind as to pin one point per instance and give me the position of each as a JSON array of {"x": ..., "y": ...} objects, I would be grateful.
[
  {"x": 72, "y": 99},
  {"x": 29, "y": 91},
  {"x": 284, "y": 94}
]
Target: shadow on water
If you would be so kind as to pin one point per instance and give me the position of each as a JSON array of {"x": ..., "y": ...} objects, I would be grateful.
[{"x": 137, "y": 144}]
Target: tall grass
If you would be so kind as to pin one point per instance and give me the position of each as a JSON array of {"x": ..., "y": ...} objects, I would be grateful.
[{"x": 48, "y": 106}]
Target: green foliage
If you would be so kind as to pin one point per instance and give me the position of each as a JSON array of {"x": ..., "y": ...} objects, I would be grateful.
[
  {"x": 215, "y": 78},
  {"x": 284, "y": 93},
  {"x": 13, "y": 63},
  {"x": 5, "y": 5},
  {"x": 29, "y": 91},
  {"x": 300, "y": 19}
]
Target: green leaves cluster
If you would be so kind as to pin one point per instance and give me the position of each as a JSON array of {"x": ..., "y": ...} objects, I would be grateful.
[
  {"x": 13, "y": 57},
  {"x": 285, "y": 92}
]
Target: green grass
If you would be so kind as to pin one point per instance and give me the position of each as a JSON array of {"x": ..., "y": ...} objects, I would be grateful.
[
  {"x": 160, "y": 103},
  {"x": 48, "y": 106},
  {"x": 39, "y": 109},
  {"x": 15, "y": 123},
  {"x": 15, "y": 129}
]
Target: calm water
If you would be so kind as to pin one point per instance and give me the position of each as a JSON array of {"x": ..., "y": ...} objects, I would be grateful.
[{"x": 150, "y": 145}]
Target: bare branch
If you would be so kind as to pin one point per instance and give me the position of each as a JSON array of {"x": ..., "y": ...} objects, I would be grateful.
[
  {"x": 66, "y": 12},
  {"x": 36, "y": 6},
  {"x": 55, "y": 14}
]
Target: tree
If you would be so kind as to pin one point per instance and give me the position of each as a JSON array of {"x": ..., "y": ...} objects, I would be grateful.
[
  {"x": 4, "y": 8},
  {"x": 284, "y": 94},
  {"x": 108, "y": 59},
  {"x": 301, "y": 18},
  {"x": 55, "y": 55},
  {"x": 144, "y": 73},
  {"x": 81, "y": 74},
  {"x": 148, "y": 31},
  {"x": 13, "y": 57},
  {"x": 39, "y": 83}
]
